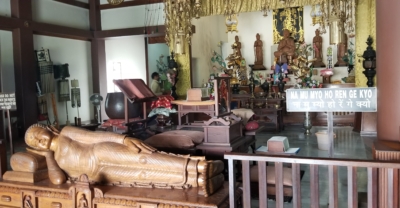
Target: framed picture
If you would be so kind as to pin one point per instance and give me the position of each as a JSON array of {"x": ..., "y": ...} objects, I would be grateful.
[
  {"x": 40, "y": 55},
  {"x": 47, "y": 55}
]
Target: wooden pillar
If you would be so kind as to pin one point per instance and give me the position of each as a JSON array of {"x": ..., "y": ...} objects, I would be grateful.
[
  {"x": 24, "y": 65},
  {"x": 98, "y": 51},
  {"x": 387, "y": 51}
]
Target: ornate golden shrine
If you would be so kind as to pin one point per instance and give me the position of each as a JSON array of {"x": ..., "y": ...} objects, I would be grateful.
[{"x": 291, "y": 19}]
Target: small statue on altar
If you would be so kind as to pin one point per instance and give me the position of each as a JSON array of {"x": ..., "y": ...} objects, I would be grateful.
[
  {"x": 235, "y": 58},
  {"x": 238, "y": 46},
  {"x": 110, "y": 158},
  {"x": 317, "y": 43},
  {"x": 341, "y": 52},
  {"x": 287, "y": 46},
  {"x": 258, "y": 53}
]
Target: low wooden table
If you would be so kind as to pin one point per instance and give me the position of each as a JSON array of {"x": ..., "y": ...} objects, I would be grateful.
[
  {"x": 274, "y": 114},
  {"x": 186, "y": 107}
]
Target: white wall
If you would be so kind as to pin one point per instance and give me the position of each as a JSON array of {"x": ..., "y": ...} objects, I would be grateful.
[
  {"x": 7, "y": 61},
  {"x": 52, "y": 12},
  {"x": 209, "y": 32},
  {"x": 77, "y": 54},
  {"x": 5, "y": 8},
  {"x": 250, "y": 23},
  {"x": 135, "y": 16},
  {"x": 129, "y": 51}
]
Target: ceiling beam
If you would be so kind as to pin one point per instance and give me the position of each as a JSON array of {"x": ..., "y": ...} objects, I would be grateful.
[
  {"x": 9, "y": 23},
  {"x": 75, "y": 3},
  {"x": 152, "y": 31},
  {"x": 60, "y": 31},
  {"x": 130, "y": 3}
]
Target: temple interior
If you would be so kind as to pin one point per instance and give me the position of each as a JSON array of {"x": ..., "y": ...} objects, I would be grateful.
[{"x": 199, "y": 103}]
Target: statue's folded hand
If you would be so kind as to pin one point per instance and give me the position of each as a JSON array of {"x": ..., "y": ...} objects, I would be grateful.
[{"x": 138, "y": 146}]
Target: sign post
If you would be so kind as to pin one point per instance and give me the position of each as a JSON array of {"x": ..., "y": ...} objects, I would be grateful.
[
  {"x": 331, "y": 100},
  {"x": 8, "y": 102}
]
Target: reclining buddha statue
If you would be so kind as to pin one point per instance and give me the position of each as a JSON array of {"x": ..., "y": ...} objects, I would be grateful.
[{"x": 110, "y": 158}]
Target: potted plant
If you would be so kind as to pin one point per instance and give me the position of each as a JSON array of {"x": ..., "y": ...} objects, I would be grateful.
[{"x": 162, "y": 108}]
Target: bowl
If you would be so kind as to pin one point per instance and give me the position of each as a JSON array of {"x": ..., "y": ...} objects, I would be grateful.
[
  {"x": 260, "y": 94},
  {"x": 259, "y": 104}
]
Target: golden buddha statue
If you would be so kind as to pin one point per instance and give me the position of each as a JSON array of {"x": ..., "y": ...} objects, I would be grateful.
[{"x": 110, "y": 158}]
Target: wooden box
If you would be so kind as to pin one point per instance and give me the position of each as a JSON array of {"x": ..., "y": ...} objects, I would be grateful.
[
  {"x": 278, "y": 144},
  {"x": 222, "y": 134}
]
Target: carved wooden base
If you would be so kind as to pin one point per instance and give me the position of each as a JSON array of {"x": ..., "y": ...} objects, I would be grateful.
[{"x": 83, "y": 195}]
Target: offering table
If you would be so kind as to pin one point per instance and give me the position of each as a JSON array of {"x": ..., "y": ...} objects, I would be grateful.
[{"x": 185, "y": 107}]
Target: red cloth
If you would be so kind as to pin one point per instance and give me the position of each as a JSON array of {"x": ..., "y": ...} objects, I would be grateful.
[
  {"x": 163, "y": 101},
  {"x": 120, "y": 123}
]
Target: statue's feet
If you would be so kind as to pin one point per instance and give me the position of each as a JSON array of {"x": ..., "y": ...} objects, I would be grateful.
[
  {"x": 210, "y": 176},
  {"x": 211, "y": 185},
  {"x": 210, "y": 169}
]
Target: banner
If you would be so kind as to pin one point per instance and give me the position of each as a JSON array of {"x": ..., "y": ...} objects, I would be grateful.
[{"x": 332, "y": 100}]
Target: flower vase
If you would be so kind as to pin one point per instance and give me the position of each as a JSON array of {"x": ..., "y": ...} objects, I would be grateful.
[{"x": 307, "y": 123}]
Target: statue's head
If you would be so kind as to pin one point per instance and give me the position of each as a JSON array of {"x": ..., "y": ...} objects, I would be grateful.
[
  {"x": 38, "y": 137},
  {"x": 286, "y": 33},
  {"x": 317, "y": 32},
  {"x": 236, "y": 38},
  {"x": 258, "y": 36}
]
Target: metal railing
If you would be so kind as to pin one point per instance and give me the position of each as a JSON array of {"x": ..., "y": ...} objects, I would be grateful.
[{"x": 314, "y": 164}]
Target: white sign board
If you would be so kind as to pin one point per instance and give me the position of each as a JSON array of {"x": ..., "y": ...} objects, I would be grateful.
[
  {"x": 332, "y": 100},
  {"x": 7, "y": 101}
]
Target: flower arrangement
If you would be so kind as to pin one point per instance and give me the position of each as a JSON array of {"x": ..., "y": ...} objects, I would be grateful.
[
  {"x": 350, "y": 56},
  {"x": 308, "y": 81},
  {"x": 259, "y": 78},
  {"x": 304, "y": 49},
  {"x": 162, "y": 106}
]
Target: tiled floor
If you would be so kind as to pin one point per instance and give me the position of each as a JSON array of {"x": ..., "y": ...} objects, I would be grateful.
[{"x": 347, "y": 144}]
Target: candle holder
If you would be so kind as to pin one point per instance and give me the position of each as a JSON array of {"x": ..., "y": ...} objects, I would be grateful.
[
  {"x": 251, "y": 84},
  {"x": 281, "y": 84},
  {"x": 270, "y": 90}
]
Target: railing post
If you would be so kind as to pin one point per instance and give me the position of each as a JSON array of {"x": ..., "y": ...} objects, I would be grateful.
[
  {"x": 232, "y": 184},
  {"x": 390, "y": 182},
  {"x": 352, "y": 194},
  {"x": 279, "y": 184},
  {"x": 296, "y": 185},
  {"x": 314, "y": 185},
  {"x": 333, "y": 186},
  {"x": 372, "y": 185},
  {"x": 262, "y": 184},
  {"x": 246, "y": 183}
]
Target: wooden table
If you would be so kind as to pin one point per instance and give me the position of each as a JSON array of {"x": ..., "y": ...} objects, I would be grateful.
[{"x": 186, "y": 107}]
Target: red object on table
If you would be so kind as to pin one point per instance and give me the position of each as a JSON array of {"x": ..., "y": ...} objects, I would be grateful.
[{"x": 252, "y": 125}]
